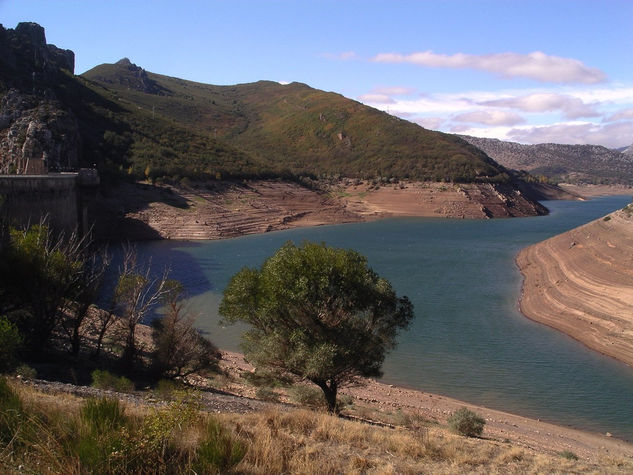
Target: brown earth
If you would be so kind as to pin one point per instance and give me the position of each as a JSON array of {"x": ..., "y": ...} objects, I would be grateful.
[
  {"x": 581, "y": 283},
  {"x": 428, "y": 199},
  {"x": 218, "y": 210}
]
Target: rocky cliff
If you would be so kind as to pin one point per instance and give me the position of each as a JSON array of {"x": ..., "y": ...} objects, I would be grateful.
[
  {"x": 37, "y": 132},
  {"x": 559, "y": 162}
]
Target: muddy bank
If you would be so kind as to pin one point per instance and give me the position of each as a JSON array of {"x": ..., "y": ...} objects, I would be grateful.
[{"x": 581, "y": 283}]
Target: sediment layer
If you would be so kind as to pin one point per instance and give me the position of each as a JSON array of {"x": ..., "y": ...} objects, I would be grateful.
[{"x": 581, "y": 283}]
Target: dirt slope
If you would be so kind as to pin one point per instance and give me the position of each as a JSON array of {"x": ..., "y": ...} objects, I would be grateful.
[
  {"x": 218, "y": 210},
  {"x": 581, "y": 283}
]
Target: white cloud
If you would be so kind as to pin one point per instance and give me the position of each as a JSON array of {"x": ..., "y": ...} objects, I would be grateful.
[
  {"x": 376, "y": 99},
  {"x": 432, "y": 123},
  {"x": 617, "y": 134},
  {"x": 490, "y": 117},
  {"x": 624, "y": 114},
  {"x": 571, "y": 107},
  {"x": 344, "y": 56},
  {"x": 535, "y": 65},
  {"x": 394, "y": 90}
]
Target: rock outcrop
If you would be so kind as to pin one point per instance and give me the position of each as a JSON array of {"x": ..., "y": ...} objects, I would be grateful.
[{"x": 37, "y": 132}]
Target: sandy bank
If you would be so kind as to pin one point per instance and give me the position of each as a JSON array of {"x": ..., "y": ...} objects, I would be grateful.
[
  {"x": 581, "y": 283},
  {"x": 218, "y": 210},
  {"x": 501, "y": 426}
]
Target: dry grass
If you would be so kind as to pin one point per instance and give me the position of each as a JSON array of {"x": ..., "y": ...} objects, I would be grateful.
[
  {"x": 310, "y": 442},
  {"x": 302, "y": 442}
]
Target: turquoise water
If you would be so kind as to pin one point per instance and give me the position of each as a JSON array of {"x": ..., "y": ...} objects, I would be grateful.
[{"x": 468, "y": 340}]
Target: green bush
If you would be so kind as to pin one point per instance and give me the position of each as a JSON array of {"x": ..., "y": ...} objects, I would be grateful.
[
  {"x": 307, "y": 396},
  {"x": 266, "y": 394},
  {"x": 10, "y": 341},
  {"x": 26, "y": 372},
  {"x": 218, "y": 451},
  {"x": 569, "y": 455},
  {"x": 101, "y": 435},
  {"x": 466, "y": 422},
  {"x": 103, "y": 379},
  {"x": 166, "y": 388},
  {"x": 103, "y": 414}
]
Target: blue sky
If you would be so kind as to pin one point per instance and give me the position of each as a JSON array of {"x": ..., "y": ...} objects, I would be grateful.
[{"x": 527, "y": 71}]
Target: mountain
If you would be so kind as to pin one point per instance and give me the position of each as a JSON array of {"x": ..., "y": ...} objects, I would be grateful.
[
  {"x": 627, "y": 150},
  {"x": 561, "y": 163},
  {"x": 296, "y": 128}
]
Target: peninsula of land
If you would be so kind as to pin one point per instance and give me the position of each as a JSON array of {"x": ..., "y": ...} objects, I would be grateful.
[{"x": 581, "y": 283}]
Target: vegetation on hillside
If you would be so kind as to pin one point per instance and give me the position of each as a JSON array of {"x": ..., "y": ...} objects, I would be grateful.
[
  {"x": 49, "y": 287},
  {"x": 279, "y": 130}
]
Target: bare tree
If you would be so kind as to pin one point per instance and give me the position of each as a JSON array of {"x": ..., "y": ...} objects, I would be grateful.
[
  {"x": 179, "y": 348},
  {"x": 136, "y": 293}
]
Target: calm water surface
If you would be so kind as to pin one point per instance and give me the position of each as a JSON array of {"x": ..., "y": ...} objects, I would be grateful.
[{"x": 468, "y": 340}]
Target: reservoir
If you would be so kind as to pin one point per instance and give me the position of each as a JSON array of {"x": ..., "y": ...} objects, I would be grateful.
[{"x": 468, "y": 340}]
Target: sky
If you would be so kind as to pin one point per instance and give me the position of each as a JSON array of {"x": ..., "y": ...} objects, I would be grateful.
[{"x": 527, "y": 71}]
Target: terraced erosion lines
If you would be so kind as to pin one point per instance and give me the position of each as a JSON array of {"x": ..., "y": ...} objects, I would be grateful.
[{"x": 581, "y": 283}]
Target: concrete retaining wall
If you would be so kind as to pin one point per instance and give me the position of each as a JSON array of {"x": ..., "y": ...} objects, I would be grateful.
[{"x": 26, "y": 199}]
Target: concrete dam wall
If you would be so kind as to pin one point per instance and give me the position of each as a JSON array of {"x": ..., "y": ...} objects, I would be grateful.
[{"x": 63, "y": 199}]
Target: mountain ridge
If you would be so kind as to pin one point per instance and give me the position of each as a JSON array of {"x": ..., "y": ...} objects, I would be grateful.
[{"x": 561, "y": 162}]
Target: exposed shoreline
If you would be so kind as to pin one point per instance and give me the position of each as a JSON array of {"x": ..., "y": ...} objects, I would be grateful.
[
  {"x": 581, "y": 283},
  {"x": 220, "y": 210},
  {"x": 521, "y": 431}
]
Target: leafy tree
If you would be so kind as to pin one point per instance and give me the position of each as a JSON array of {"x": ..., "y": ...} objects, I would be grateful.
[
  {"x": 38, "y": 274},
  {"x": 317, "y": 312}
]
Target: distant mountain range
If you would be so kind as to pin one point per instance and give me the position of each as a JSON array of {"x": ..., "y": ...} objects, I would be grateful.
[{"x": 562, "y": 163}]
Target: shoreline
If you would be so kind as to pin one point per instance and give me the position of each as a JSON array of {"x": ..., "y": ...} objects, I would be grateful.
[
  {"x": 500, "y": 425},
  {"x": 581, "y": 284},
  {"x": 220, "y": 210}
]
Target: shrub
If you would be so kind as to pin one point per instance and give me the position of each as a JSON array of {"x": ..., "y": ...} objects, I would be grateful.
[
  {"x": 10, "y": 341},
  {"x": 103, "y": 379},
  {"x": 26, "y": 372},
  {"x": 166, "y": 388},
  {"x": 606, "y": 218},
  {"x": 266, "y": 394},
  {"x": 103, "y": 414},
  {"x": 569, "y": 455},
  {"x": 218, "y": 451},
  {"x": 307, "y": 396},
  {"x": 466, "y": 422}
]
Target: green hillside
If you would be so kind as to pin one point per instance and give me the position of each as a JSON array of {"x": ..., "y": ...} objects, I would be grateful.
[{"x": 273, "y": 129}]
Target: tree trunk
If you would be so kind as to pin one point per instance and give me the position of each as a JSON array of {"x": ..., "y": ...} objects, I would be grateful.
[{"x": 329, "y": 391}]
